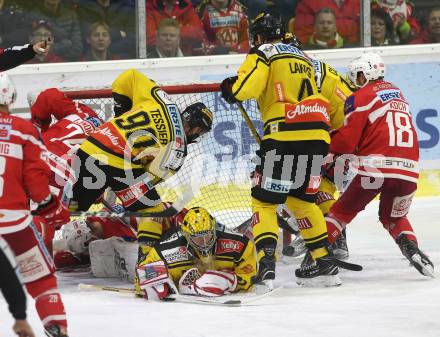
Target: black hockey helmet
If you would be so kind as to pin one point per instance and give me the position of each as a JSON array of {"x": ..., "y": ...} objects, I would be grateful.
[
  {"x": 269, "y": 25},
  {"x": 197, "y": 115}
]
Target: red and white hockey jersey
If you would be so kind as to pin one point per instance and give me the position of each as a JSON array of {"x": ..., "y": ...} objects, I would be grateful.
[
  {"x": 226, "y": 28},
  {"x": 24, "y": 173},
  {"x": 74, "y": 122},
  {"x": 378, "y": 129}
]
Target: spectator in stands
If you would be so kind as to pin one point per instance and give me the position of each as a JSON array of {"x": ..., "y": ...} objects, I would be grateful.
[
  {"x": 254, "y": 7},
  {"x": 120, "y": 16},
  {"x": 42, "y": 31},
  {"x": 99, "y": 41},
  {"x": 347, "y": 18},
  {"x": 406, "y": 26},
  {"x": 325, "y": 35},
  {"x": 14, "y": 24},
  {"x": 382, "y": 30},
  {"x": 66, "y": 28},
  {"x": 167, "y": 40},
  {"x": 191, "y": 29},
  {"x": 226, "y": 26},
  {"x": 431, "y": 34}
]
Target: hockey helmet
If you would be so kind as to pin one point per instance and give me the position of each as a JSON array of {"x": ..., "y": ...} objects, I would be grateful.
[
  {"x": 8, "y": 93},
  {"x": 77, "y": 235},
  {"x": 370, "y": 64},
  {"x": 199, "y": 228},
  {"x": 197, "y": 115},
  {"x": 268, "y": 25}
]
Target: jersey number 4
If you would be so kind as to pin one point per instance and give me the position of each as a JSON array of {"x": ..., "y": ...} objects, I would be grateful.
[{"x": 401, "y": 132}]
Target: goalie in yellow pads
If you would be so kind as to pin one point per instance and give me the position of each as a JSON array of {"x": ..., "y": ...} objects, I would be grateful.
[{"x": 197, "y": 259}]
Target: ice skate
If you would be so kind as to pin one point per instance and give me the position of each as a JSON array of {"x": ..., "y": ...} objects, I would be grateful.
[{"x": 415, "y": 256}]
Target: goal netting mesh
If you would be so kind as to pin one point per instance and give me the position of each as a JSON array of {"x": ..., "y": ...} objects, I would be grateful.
[{"x": 217, "y": 168}]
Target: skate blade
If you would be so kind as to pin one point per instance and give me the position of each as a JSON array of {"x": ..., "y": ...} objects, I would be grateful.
[
  {"x": 424, "y": 269},
  {"x": 320, "y": 281}
]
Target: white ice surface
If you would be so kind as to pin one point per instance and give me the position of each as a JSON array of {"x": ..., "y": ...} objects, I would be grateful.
[{"x": 388, "y": 298}]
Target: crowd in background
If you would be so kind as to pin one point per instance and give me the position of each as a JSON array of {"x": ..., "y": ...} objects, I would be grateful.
[{"x": 94, "y": 30}]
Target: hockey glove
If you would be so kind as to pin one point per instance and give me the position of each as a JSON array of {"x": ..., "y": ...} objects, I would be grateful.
[
  {"x": 155, "y": 281},
  {"x": 212, "y": 283},
  {"x": 226, "y": 89},
  {"x": 53, "y": 211}
]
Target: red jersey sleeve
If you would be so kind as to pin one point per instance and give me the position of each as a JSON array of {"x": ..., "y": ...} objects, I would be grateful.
[{"x": 36, "y": 171}]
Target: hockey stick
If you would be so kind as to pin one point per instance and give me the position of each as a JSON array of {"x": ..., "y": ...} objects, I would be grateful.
[
  {"x": 249, "y": 122},
  {"x": 222, "y": 300}
]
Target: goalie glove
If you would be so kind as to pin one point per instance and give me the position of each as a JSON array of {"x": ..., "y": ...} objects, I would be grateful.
[
  {"x": 211, "y": 283},
  {"x": 226, "y": 89},
  {"x": 154, "y": 281}
]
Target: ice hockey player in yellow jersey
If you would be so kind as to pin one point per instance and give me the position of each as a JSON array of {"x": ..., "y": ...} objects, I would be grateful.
[
  {"x": 336, "y": 88},
  {"x": 295, "y": 141},
  {"x": 144, "y": 143},
  {"x": 197, "y": 259}
]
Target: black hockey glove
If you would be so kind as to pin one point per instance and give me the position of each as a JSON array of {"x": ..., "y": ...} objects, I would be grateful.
[{"x": 226, "y": 88}]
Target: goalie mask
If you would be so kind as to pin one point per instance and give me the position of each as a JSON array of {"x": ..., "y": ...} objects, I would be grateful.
[
  {"x": 199, "y": 120},
  {"x": 198, "y": 228},
  {"x": 269, "y": 26}
]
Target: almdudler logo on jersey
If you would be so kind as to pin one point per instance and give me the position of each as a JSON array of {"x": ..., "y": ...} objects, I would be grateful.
[{"x": 313, "y": 110}]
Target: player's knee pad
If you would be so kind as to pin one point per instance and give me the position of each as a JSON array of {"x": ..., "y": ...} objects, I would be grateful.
[
  {"x": 264, "y": 223},
  {"x": 310, "y": 221}
]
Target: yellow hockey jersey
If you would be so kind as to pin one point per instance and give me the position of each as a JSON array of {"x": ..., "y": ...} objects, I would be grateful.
[
  {"x": 232, "y": 251},
  {"x": 336, "y": 88},
  {"x": 282, "y": 80},
  {"x": 149, "y": 136}
]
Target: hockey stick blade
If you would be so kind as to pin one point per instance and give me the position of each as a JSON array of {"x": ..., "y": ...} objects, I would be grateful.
[
  {"x": 348, "y": 265},
  {"x": 85, "y": 286}
]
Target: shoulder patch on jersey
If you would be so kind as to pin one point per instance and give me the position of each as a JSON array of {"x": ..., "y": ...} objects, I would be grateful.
[
  {"x": 349, "y": 105},
  {"x": 267, "y": 51},
  {"x": 387, "y": 95}
]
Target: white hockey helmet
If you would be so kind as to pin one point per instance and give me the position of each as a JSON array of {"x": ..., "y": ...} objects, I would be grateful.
[
  {"x": 370, "y": 64},
  {"x": 8, "y": 93},
  {"x": 77, "y": 236}
]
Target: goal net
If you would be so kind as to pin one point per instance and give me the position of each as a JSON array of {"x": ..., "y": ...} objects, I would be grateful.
[{"x": 217, "y": 168}]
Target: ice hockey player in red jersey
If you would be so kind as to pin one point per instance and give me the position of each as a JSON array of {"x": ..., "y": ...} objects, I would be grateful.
[
  {"x": 226, "y": 26},
  {"x": 64, "y": 125},
  {"x": 25, "y": 175},
  {"x": 378, "y": 130},
  {"x": 73, "y": 123}
]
